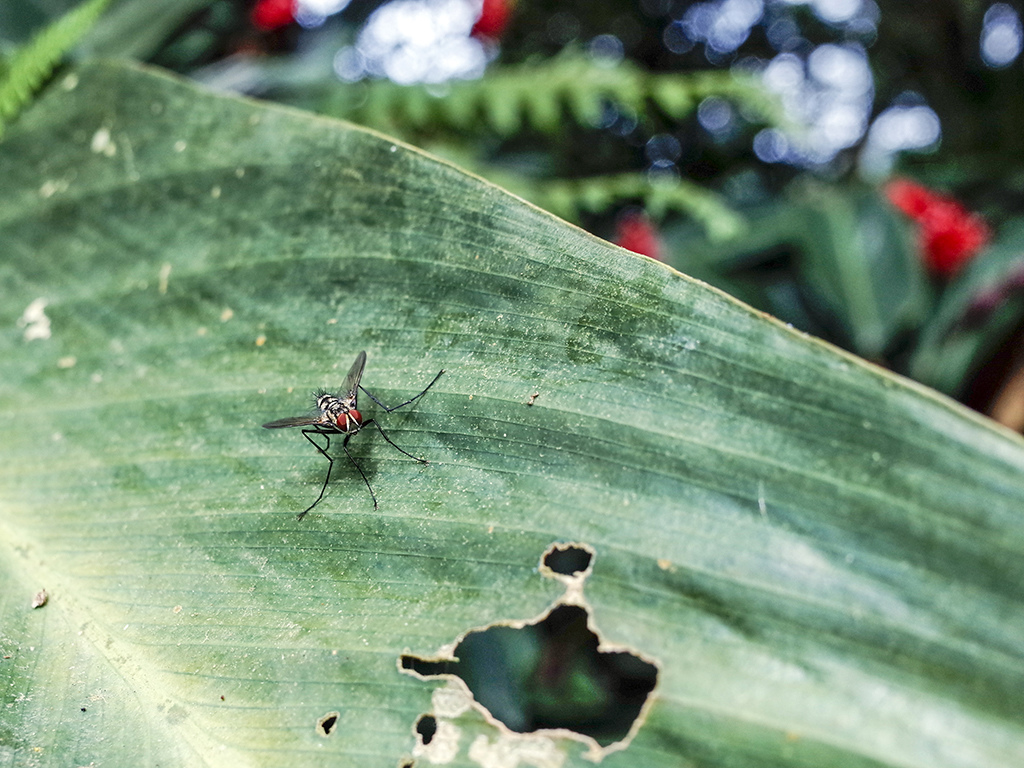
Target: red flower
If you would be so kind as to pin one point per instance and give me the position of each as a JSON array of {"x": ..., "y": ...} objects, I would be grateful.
[
  {"x": 269, "y": 15},
  {"x": 911, "y": 198},
  {"x": 635, "y": 232},
  {"x": 493, "y": 19},
  {"x": 948, "y": 233}
]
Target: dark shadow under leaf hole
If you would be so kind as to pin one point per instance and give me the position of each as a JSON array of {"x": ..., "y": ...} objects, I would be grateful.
[
  {"x": 550, "y": 675},
  {"x": 326, "y": 724},
  {"x": 426, "y": 727},
  {"x": 567, "y": 559}
]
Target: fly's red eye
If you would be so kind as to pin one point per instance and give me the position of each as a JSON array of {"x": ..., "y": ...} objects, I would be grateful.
[{"x": 349, "y": 420}]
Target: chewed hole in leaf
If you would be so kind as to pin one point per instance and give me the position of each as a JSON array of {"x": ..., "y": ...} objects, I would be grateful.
[
  {"x": 568, "y": 559},
  {"x": 426, "y": 727},
  {"x": 326, "y": 724},
  {"x": 550, "y": 675},
  {"x": 422, "y": 666}
]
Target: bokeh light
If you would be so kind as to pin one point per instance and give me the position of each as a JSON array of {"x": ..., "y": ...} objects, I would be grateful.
[
  {"x": 606, "y": 49},
  {"x": 313, "y": 13},
  {"x": 1001, "y": 36},
  {"x": 416, "y": 41},
  {"x": 723, "y": 26},
  {"x": 908, "y": 124},
  {"x": 830, "y": 93}
]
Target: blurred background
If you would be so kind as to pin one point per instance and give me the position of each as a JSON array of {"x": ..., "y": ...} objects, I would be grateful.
[{"x": 853, "y": 167}]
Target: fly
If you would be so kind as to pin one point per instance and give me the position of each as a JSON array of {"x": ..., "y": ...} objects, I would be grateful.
[{"x": 338, "y": 414}]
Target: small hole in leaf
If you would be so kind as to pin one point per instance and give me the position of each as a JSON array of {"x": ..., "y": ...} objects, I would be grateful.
[
  {"x": 326, "y": 724},
  {"x": 567, "y": 559},
  {"x": 426, "y": 727},
  {"x": 550, "y": 675},
  {"x": 428, "y": 668}
]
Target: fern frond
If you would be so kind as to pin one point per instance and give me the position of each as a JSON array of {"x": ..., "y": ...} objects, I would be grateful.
[
  {"x": 540, "y": 94},
  {"x": 33, "y": 62},
  {"x": 602, "y": 193},
  {"x": 568, "y": 198}
]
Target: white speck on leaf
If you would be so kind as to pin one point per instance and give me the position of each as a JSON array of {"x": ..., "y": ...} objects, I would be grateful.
[
  {"x": 99, "y": 139},
  {"x": 52, "y": 187},
  {"x": 34, "y": 320},
  {"x": 102, "y": 144},
  {"x": 165, "y": 274}
]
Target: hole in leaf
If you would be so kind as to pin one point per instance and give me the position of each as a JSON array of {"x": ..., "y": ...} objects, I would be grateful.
[
  {"x": 426, "y": 727},
  {"x": 568, "y": 559},
  {"x": 326, "y": 724},
  {"x": 424, "y": 667},
  {"x": 550, "y": 675}
]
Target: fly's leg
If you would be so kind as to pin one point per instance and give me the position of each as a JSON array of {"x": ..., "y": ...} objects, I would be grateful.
[
  {"x": 402, "y": 405},
  {"x": 392, "y": 442},
  {"x": 344, "y": 445},
  {"x": 307, "y": 433}
]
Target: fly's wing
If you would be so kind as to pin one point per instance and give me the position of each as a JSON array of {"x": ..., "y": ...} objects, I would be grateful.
[
  {"x": 348, "y": 399},
  {"x": 294, "y": 421},
  {"x": 355, "y": 373}
]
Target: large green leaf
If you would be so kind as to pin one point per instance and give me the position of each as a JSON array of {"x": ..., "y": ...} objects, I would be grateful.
[{"x": 824, "y": 561}]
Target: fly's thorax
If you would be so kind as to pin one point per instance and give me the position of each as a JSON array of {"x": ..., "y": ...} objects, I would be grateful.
[{"x": 329, "y": 404}]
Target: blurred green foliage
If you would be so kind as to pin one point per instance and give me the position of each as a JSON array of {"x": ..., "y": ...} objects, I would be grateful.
[{"x": 28, "y": 67}]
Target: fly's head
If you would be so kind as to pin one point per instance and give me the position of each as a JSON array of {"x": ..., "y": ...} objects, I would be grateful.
[{"x": 339, "y": 411}]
